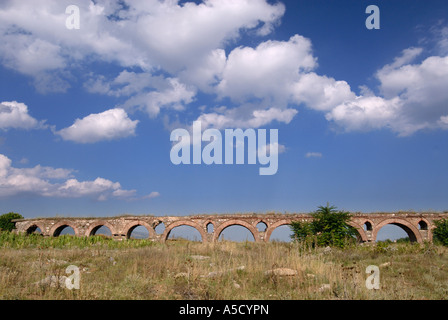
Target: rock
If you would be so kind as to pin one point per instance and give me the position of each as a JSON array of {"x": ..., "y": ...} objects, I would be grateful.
[
  {"x": 57, "y": 262},
  {"x": 53, "y": 281},
  {"x": 385, "y": 264},
  {"x": 324, "y": 287},
  {"x": 327, "y": 250},
  {"x": 310, "y": 275},
  {"x": 181, "y": 275},
  {"x": 281, "y": 272},
  {"x": 199, "y": 257},
  {"x": 236, "y": 285},
  {"x": 214, "y": 274}
]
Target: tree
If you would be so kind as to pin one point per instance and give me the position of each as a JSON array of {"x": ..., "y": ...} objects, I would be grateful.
[
  {"x": 440, "y": 233},
  {"x": 329, "y": 227},
  {"x": 6, "y": 223}
]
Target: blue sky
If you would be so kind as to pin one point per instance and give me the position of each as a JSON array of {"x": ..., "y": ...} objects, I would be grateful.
[{"x": 86, "y": 114}]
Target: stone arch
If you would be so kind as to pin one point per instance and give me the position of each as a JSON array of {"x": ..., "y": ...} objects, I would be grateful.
[
  {"x": 369, "y": 225},
  {"x": 411, "y": 230},
  {"x": 31, "y": 227},
  {"x": 175, "y": 224},
  {"x": 262, "y": 222},
  {"x": 209, "y": 223},
  {"x": 56, "y": 229},
  {"x": 134, "y": 224},
  {"x": 232, "y": 222},
  {"x": 423, "y": 224},
  {"x": 98, "y": 224},
  {"x": 362, "y": 236},
  {"x": 272, "y": 227}
]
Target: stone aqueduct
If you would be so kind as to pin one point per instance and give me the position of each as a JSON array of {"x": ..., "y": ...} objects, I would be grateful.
[{"x": 418, "y": 226}]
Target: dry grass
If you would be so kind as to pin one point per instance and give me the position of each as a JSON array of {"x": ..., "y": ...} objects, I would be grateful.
[{"x": 225, "y": 270}]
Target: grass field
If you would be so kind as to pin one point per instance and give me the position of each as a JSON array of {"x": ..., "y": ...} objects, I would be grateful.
[{"x": 139, "y": 269}]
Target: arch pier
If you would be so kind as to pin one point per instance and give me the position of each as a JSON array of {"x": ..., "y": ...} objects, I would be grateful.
[{"x": 418, "y": 226}]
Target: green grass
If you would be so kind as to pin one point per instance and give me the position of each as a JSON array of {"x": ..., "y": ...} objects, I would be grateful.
[
  {"x": 21, "y": 241},
  {"x": 139, "y": 269}
]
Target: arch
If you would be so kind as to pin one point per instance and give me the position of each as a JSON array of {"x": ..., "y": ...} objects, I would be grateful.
[
  {"x": 229, "y": 223},
  {"x": 411, "y": 230},
  {"x": 261, "y": 225},
  {"x": 58, "y": 227},
  {"x": 33, "y": 226},
  {"x": 368, "y": 225},
  {"x": 282, "y": 233},
  {"x": 175, "y": 224},
  {"x": 272, "y": 227},
  {"x": 210, "y": 227},
  {"x": 98, "y": 224},
  {"x": 423, "y": 224},
  {"x": 134, "y": 224},
  {"x": 362, "y": 236}
]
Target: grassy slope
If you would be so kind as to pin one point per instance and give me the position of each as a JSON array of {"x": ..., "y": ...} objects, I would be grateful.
[{"x": 227, "y": 270}]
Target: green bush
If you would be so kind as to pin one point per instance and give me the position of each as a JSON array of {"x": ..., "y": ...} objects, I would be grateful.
[
  {"x": 329, "y": 227},
  {"x": 5, "y": 221},
  {"x": 440, "y": 233}
]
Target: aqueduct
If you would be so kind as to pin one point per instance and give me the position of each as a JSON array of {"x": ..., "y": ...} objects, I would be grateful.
[{"x": 418, "y": 226}]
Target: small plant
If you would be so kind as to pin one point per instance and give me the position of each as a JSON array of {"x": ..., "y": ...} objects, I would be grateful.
[{"x": 329, "y": 228}]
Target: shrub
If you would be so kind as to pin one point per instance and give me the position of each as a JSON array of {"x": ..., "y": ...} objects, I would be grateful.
[
  {"x": 6, "y": 223},
  {"x": 440, "y": 233},
  {"x": 329, "y": 227}
]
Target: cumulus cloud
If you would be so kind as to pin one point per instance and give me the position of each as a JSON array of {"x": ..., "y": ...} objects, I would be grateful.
[
  {"x": 268, "y": 80},
  {"x": 55, "y": 182},
  {"x": 15, "y": 115},
  {"x": 145, "y": 34},
  {"x": 177, "y": 50},
  {"x": 366, "y": 113},
  {"x": 267, "y": 71},
  {"x": 108, "y": 125},
  {"x": 143, "y": 91},
  {"x": 413, "y": 97},
  {"x": 174, "y": 95}
]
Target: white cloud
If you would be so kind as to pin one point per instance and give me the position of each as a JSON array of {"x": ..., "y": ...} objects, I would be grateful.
[
  {"x": 366, "y": 113},
  {"x": 270, "y": 78},
  {"x": 320, "y": 92},
  {"x": 174, "y": 96},
  {"x": 152, "y": 195},
  {"x": 267, "y": 71},
  {"x": 108, "y": 125},
  {"x": 15, "y": 115},
  {"x": 178, "y": 35},
  {"x": 236, "y": 118},
  {"x": 313, "y": 155},
  {"x": 185, "y": 42},
  {"x": 147, "y": 34},
  {"x": 444, "y": 120},
  {"x": 266, "y": 149},
  {"x": 144, "y": 91},
  {"x": 55, "y": 182},
  {"x": 413, "y": 97}
]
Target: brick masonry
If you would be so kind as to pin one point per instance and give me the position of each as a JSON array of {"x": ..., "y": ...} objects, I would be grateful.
[{"x": 418, "y": 226}]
